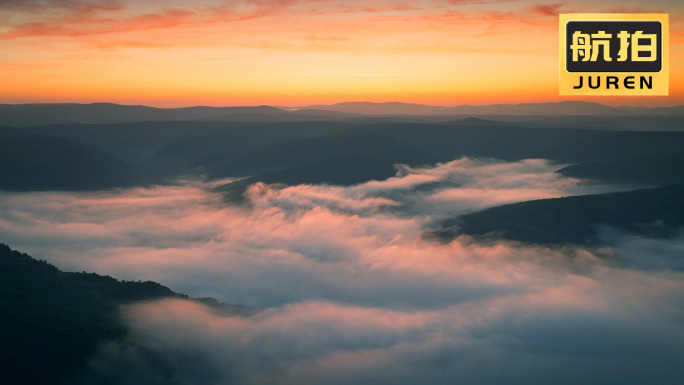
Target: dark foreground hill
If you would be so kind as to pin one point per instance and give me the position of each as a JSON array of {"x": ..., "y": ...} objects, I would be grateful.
[
  {"x": 657, "y": 212},
  {"x": 52, "y": 321}
]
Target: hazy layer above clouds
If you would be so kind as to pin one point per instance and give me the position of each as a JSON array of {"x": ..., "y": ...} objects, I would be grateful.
[{"x": 351, "y": 292}]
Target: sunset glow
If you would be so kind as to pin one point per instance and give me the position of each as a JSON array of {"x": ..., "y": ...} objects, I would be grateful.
[{"x": 297, "y": 52}]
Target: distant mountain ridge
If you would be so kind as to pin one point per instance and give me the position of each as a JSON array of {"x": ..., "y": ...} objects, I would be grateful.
[
  {"x": 99, "y": 113},
  {"x": 559, "y": 108},
  {"x": 23, "y": 115}
]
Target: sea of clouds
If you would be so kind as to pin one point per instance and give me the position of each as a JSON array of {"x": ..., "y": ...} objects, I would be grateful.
[{"x": 347, "y": 290}]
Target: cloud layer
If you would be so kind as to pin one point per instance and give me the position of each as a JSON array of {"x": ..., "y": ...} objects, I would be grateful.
[{"x": 349, "y": 244}]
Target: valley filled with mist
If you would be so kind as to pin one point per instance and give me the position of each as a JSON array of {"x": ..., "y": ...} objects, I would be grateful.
[{"x": 354, "y": 243}]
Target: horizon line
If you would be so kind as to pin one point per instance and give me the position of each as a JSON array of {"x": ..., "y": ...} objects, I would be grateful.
[{"x": 297, "y": 107}]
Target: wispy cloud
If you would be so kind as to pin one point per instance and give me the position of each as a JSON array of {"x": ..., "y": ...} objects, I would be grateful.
[
  {"x": 81, "y": 25},
  {"x": 548, "y": 9},
  {"x": 450, "y": 49}
]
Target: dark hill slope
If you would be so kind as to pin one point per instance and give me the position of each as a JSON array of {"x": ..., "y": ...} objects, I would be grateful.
[
  {"x": 340, "y": 160},
  {"x": 293, "y": 153},
  {"x": 33, "y": 162},
  {"x": 515, "y": 143},
  {"x": 171, "y": 145},
  {"x": 51, "y": 321},
  {"x": 225, "y": 142},
  {"x": 656, "y": 169},
  {"x": 131, "y": 141},
  {"x": 654, "y": 212},
  {"x": 7, "y": 130},
  {"x": 164, "y": 149}
]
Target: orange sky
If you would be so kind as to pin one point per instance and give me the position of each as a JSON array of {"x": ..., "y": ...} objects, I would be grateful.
[{"x": 296, "y": 52}]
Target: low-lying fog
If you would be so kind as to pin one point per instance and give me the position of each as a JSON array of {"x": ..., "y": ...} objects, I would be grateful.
[{"x": 347, "y": 290}]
